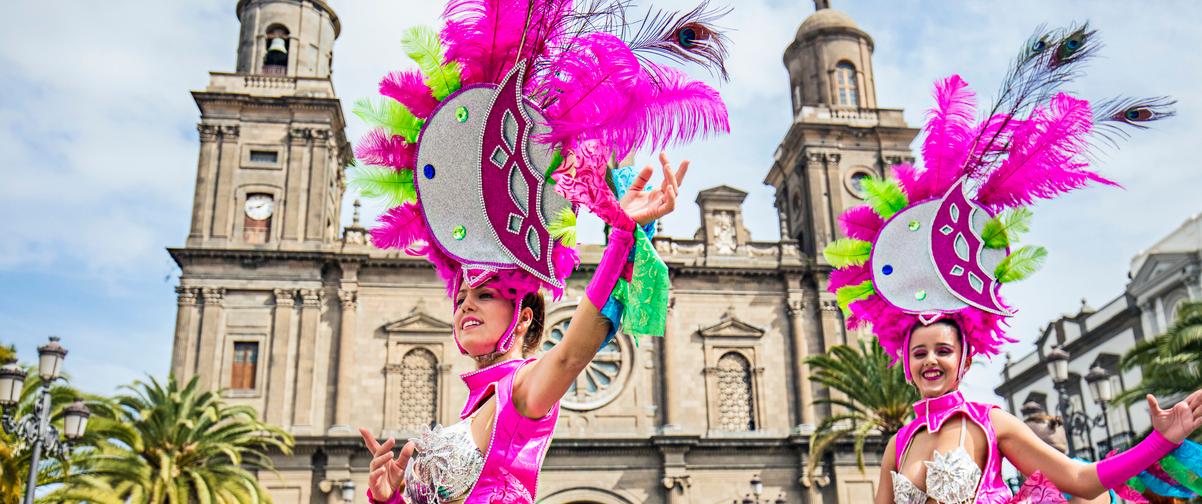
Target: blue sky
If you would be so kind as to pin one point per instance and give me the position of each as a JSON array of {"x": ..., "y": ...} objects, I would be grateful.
[{"x": 98, "y": 150}]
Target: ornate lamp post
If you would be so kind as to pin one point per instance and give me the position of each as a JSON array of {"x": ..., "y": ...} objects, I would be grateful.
[
  {"x": 1057, "y": 362},
  {"x": 757, "y": 489},
  {"x": 34, "y": 429},
  {"x": 1102, "y": 390}
]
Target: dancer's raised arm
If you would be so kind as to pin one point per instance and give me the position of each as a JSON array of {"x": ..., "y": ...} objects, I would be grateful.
[
  {"x": 540, "y": 385},
  {"x": 1028, "y": 453}
]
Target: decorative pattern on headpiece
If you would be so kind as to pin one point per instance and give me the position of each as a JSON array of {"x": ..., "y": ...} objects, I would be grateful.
[
  {"x": 486, "y": 153},
  {"x": 936, "y": 243}
]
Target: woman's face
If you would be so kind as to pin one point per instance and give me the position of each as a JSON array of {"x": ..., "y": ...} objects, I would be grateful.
[
  {"x": 481, "y": 317},
  {"x": 935, "y": 359}
]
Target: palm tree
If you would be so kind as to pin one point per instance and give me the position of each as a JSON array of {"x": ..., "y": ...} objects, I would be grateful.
[
  {"x": 183, "y": 446},
  {"x": 1170, "y": 363},
  {"x": 52, "y": 470},
  {"x": 8, "y": 353},
  {"x": 879, "y": 399}
]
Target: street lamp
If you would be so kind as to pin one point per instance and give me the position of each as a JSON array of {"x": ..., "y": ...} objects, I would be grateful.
[
  {"x": 1102, "y": 390},
  {"x": 347, "y": 489},
  {"x": 34, "y": 429},
  {"x": 1057, "y": 362},
  {"x": 757, "y": 489}
]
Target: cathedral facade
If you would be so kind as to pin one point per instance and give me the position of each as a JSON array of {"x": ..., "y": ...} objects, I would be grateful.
[{"x": 287, "y": 311}]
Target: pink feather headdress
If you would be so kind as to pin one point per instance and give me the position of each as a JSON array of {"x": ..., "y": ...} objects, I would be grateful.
[
  {"x": 487, "y": 151},
  {"x": 936, "y": 243}
]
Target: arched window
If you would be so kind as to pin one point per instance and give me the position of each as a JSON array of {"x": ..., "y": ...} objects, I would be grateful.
[
  {"x": 419, "y": 390},
  {"x": 735, "y": 409},
  {"x": 847, "y": 91},
  {"x": 275, "y": 59}
]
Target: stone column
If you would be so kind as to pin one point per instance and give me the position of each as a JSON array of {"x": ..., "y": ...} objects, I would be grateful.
[
  {"x": 834, "y": 199},
  {"x": 295, "y": 196},
  {"x": 208, "y": 363},
  {"x": 315, "y": 210},
  {"x": 223, "y": 203},
  {"x": 310, "y": 313},
  {"x": 669, "y": 368},
  {"x": 801, "y": 329},
  {"x": 183, "y": 354},
  {"x": 281, "y": 334},
  {"x": 346, "y": 361},
  {"x": 202, "y": 201},
  {"x": 1193, "y": 282},
  {"x": 676, "y": 479},
  {"x": 820, "y": 194}
]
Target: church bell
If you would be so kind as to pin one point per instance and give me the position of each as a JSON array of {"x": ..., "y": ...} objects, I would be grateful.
[{"x": 278, "y": 45}]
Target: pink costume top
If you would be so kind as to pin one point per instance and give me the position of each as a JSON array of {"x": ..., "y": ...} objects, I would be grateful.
[
  {"x": 508, "y": 472},
  {"x": 933, "y": 413}
]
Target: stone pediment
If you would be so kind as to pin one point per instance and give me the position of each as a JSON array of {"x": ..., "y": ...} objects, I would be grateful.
[
  {"x": 1155, "y": 268},
  {"x": 418, "y": 323},
  {"x": 731, "y": 327}
]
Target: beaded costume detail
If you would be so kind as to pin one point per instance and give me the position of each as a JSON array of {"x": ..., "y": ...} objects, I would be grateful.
[
  {"x": 445, "y": 465},
  {"x": 952, "y": 478}
]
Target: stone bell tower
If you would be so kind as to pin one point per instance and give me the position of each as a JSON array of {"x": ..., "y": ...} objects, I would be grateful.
[
  {"x": 272, "y": 140},
  {"x": 839, "y": 135}
]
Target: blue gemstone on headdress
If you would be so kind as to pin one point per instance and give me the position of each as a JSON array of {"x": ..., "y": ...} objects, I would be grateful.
[
  {"x": 887, "y": 269},
  {"x": 428, "y": 171}
]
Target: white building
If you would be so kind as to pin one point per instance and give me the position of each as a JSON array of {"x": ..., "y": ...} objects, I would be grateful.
[{"x": 1162, "y": 278}]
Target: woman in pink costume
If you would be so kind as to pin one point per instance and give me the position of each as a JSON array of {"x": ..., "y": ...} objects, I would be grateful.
[
  {"x": 486, "y": 154},
  {"x": 925, "y": 259}
]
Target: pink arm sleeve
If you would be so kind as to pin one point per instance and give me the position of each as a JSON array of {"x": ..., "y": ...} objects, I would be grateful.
[
  {"x": 613, "y": 262},
  {"x": 1116, "y": 470}
]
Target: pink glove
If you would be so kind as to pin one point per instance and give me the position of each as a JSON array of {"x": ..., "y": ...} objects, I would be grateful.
[
  {"x": 1115, "y": 471},
  {"x": 397, "y": 498},
  {"x": 613, "y": 263}
]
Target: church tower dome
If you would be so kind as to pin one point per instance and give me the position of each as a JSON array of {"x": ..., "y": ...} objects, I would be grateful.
[
  {"x": 830, "y": 62},
  {"x": 293, "y": 38}
]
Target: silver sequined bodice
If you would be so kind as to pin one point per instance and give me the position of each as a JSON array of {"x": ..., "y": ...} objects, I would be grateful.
[
  {"x": 951, "y": 478},
  {"x": 445, "y": 465}
]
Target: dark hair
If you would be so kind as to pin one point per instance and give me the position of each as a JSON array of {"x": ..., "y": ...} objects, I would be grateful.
[{"x": 534, "y": 333}]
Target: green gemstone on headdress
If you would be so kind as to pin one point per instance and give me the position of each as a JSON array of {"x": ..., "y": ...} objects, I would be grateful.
[
  {"x": 920, "y": 295},
  {"x": 461, "y": 114},
  {"x": 459, "y": 232},
  {"x": 914, "y": 225}
]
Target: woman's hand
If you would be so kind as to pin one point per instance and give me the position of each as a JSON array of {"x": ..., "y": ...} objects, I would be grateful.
[
  {"x": 646, "y": 206},
  {"x": 386, "y": 474},
  {"x": 1178, "y": 422}
]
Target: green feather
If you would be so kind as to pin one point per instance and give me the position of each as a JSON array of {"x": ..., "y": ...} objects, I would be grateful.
[
  {"x": 422, "y": 45},
  {"x": 884, "y": 196},
  {"x": 563, "y": 227},
  {"x": 1020, "y": 264},
  {"x": 849, "y": 294},
  {"x": 395, "y": 187},
  {"x": 846, "y": 252},
  {"x": 392, "y": 116},
  {"x": 1005, "y": 228}
]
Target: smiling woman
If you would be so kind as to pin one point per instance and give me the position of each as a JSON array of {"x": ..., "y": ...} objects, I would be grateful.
[
  {"x": 927, "y": 257},
  {"x": 518, "y": 115}
]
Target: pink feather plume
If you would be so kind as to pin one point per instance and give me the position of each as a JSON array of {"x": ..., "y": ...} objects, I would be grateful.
[
  {"x": 599, "y": 91},
  {"x": 484, "y": 35},
  {"x": 379, "y": 148},
  {"x": 949, "y": 131},
  {"x": 852, "y": 275},
  {"x": 1045, "y": 156},
  {"x": 409, "y": 88},
  {"x": 861, "y": 223}
]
